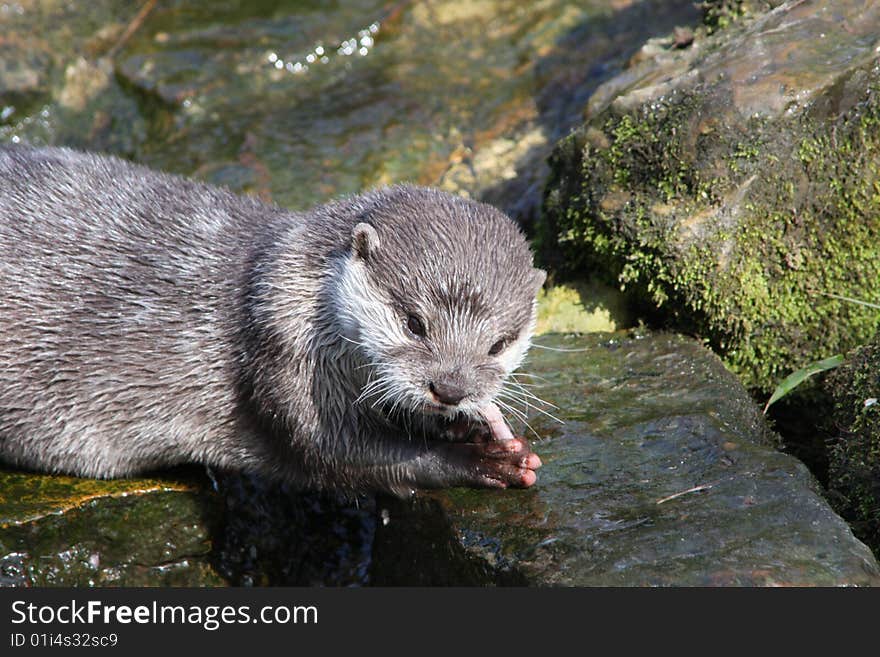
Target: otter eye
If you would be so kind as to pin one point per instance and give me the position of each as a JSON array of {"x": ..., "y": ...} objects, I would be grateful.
[
  {"x": 496, "y": 348},
  {"x": 415, "y": 325}
]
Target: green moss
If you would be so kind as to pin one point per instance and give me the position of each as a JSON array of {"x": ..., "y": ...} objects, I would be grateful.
[
  {"x": 854, "y": 469},
  {"x": 64, "y": 531},
  {"x": 26, "y": 497},
  {"x": 584, "y": 307},
  {"x": 736, "y": 254},
  {"x": 720, "y": 14}
]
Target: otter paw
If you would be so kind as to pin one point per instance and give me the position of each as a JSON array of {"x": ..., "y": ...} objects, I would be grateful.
[
  {"x": 466, "y": 430},
  {"x": 498, "y": 464}
]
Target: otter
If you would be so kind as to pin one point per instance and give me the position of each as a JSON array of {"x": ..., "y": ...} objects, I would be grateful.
[{"x": 148, "y": 320}]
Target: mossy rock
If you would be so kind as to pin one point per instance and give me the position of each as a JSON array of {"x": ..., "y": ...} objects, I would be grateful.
[
  {"x": 719, "y": 14},
  {"x": 854, "y": 469},
  {"x": 581, "y": 307},
  {"x": 728, "y": 185},
  {"x": 178, "y": 529},
  {"x": 65, "y": 531}
]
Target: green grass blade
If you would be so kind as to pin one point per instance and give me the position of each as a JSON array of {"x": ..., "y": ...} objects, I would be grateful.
[
  {"x": 794, "y": 379},
  {"x": 851, "y": 300}
]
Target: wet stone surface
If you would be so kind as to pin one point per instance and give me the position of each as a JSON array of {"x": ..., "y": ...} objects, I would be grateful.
[
  {"x": 273, "y": 535},
  {"x": 300, "y": 101},
  {"x": 178, "y": 530},
  {"x": 663, "y": 474},
  {"x": 64, "y": 531}
]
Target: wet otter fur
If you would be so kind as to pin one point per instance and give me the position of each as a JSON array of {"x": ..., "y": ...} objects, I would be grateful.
[{"x": 147, "y": 320}]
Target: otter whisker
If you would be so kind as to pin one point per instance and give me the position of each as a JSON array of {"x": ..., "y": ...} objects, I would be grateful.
[
  {"x": 396, "y": 392},
  {"x": 373, "y": 387},
  {"x": 530, "y": 395},
  {"x": 514, "y": 396},
  {"x": 347, "y": 339},
  {"x": 563, "y": 350},
  {"x": 550, "y": 415},
  {"x": 516, "y": 400},
  {"x": 534, "y": 376},
  {"x": 407, "y": 426},
  {"x": 528, "y": 385},
  {"x": 380, "y": 390},
  {"x": 390, "y": 393},
  {"x": 506, "y": 394},
  {"x": 523, "y": 386},
  {"x": 524, "y": 394},
  {"x": 397, "y": 400},
  {"x": 517, "y": 414},
  {"x": 521, "y": 419},
  {"x": 543, "y": 412}
]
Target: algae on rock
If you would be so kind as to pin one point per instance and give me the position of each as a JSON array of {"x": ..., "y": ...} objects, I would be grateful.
[
  {"x": 729, "y": 184},
  {"x": 720, "y": 14},
  {"x": 65, "y": 531},
  {"x": 854, "y": 468}
]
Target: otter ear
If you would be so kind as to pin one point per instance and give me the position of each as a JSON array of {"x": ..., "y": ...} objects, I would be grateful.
[
  {"x": 538, "y": 278},
  {"x": 364, "y": 240}
]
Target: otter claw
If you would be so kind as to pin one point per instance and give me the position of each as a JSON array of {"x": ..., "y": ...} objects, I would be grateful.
[{"x": 494, "y": 464}]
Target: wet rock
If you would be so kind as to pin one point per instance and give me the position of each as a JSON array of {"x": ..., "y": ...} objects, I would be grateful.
[
  {"x": 83, "y": 81},
  {"x": 466, "y": 96},
  {"x": 726, "y": 184},
  {"x": 181, "y": 530},
  {"x": 24, "y": 72},
  {"x": 300, "y": 104},
  {"x": 505, "y": 163},
  {"x": 663, "y": 474},
  {"x": 63, "y": 531},
  {"x": 854, "y": 468},
  {"x": 63, "y": 97}
]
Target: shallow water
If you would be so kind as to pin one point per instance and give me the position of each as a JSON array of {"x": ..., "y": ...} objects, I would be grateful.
[{"x": 301, "y": 101}]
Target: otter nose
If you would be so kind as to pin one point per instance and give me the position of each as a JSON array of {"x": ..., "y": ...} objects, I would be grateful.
[{"x": 447, "y": 393}]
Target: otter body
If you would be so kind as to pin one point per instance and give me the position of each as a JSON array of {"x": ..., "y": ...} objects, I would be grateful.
[{"x": 147, "y": 320}]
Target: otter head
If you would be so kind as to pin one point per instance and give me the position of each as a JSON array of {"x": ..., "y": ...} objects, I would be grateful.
[{"x": 438, "y": 294}]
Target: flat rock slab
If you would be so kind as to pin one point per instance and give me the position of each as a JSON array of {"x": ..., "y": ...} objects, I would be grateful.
[
  {"x": 664, "y": 473},
  {"x": 64, "y": 531}
]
